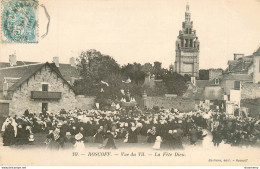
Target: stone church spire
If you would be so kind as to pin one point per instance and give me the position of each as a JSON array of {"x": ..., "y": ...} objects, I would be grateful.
[{"x": 187, "y": 13}]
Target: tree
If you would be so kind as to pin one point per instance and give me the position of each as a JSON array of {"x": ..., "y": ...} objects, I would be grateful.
[
  {"x": 94, "y": 67},
  {"x": 157, "y": 66},
  {"x": 187, "y": 77},
  {"x": 134, "y": 71},
  {"x": 147, "y": 68},
  {"x": 175, "y": 83},
  {"x": 112, "y": 91},
  {"x": 102, "y": 77}
]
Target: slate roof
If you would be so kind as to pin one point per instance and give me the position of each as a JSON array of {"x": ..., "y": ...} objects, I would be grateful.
[
  {"x": 241, "y": 67},
  {"x": 203, "y": 83},
  {"x": 241, "y": 77},
  {"x": 25, "y": 72},
  {"x": 11, "y": 80},
  {"x": 17, "y": 72},
  {"x": 18, "y": 63},
  {"x": 257, "y": 51},
  {"x": 68, "y": 71}
]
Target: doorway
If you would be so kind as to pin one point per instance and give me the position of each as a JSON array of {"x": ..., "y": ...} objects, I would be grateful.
[{"x": 44, "y": 107}]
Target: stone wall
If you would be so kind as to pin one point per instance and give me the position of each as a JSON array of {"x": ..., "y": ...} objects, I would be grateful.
[
  {"x": 213, "y": 93},
  {"x": 250, "y": 90},
  {"x": 256, "y": 68},
  {"x": 21, "y": 99},
  {"x": 253, "y": 106},
  {"x": 181, "y": 104},
  {"x": 215, "y": 73},
  {"x": 85, "y": 102}
]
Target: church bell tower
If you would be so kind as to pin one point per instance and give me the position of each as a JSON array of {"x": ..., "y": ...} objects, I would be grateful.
[{"x": 187, "y": 48}]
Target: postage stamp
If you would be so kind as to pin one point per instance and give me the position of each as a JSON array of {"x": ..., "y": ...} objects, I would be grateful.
[{"x": 19, "y": 21}]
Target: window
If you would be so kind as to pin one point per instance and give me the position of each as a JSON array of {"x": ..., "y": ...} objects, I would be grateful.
[
  {"x": 45, "y": 87},
  {"x": 44, "y": 107},
  {"x": 237, "y": 85},
  {"x": 191, "y": 42},
  {"x": 216, "y": 81}
]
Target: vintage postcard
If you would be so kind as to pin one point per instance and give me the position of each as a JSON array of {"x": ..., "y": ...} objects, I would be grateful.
[{"x": 130, "y": 83}]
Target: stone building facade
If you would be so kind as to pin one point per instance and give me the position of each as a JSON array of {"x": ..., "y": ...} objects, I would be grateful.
[
  {"x": 187, "y": 48},
  {"x": 215, "y": 74},
  {"x": 38, "y": 88},
  {"x": 250, "y": 90},
  {"x": 256, "y": 66},
  {"x": 22, "y": 96},
  {"x": 242, "y": 71}
]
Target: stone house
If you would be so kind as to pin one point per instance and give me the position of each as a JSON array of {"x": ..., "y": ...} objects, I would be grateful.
[
  {"x": 36, "y": 87},
  {"x": 241, "y": 82},
  {"x": 234, "y": 82},
  {"x": 209, "y": 91},
  {"x": 242, "y": 71}
]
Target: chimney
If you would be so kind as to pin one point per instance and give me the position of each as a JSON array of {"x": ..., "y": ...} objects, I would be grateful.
[
  {"x": 56, "y": 61},
  {"x": 72, "y": 62},
  {"x": 238, "y": 55},
  {"x": 12, "y": 59}
]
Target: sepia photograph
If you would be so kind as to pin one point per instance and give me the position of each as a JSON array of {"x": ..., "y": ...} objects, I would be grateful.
[{"x": 130, "y": 83}]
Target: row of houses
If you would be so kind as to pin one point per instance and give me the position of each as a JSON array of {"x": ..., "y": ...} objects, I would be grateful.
[{"x": 239, "y": 81}]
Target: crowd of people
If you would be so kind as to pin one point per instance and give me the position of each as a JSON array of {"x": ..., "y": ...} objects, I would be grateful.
[{"x": 164, "y": 128}]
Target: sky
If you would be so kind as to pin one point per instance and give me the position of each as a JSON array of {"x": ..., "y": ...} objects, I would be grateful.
[{"x": 142, "y": 30}]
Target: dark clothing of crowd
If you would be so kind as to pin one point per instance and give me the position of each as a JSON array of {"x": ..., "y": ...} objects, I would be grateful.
[{"x": 107, "y": 126}]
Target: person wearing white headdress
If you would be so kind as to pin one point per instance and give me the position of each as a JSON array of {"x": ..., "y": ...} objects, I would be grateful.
[
  {"x": 7, "y": 121},
  {"x": 14, "y": 124},
  {"x": 79, "y": 145},
  {"x": 117, "y": 106},
  {"x": 157, "y": 144}
]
